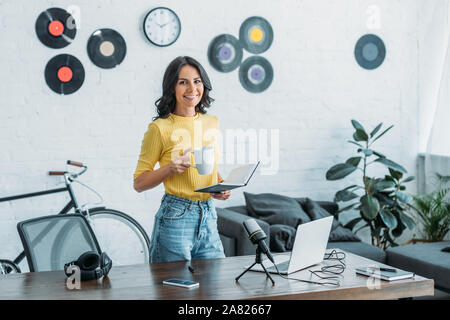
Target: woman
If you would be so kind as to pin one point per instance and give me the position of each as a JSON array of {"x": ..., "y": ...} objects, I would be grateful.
[{"x": 185, "y": 225}]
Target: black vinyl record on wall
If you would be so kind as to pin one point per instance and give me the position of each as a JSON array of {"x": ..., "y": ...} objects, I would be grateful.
[
  {"x": 370, "y": 51},
  {"x": 256, "y": 74},
  {"x": 64, "y": 74},
  {"x": 225, "y": 53},
  {"x": 56, "y": 28},
  {"x": 106, "y": 48}
]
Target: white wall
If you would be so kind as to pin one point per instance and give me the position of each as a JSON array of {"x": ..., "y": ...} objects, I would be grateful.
[
  {"x": 317, "y": 88},
  {"x": 432, "y": 43}
]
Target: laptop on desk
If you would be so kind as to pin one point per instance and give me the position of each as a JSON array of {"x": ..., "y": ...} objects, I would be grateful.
[{"x": 309, "y": 248}]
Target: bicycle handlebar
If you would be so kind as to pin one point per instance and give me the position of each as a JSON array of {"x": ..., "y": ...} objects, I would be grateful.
[
  {"x": 75, "y": 163},
  {"x": 72, "y": 176},
  {"x": 56, "y": 173}
]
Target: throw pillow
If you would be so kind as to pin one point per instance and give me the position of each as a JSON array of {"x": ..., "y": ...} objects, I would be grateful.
[
  {"x": 275, "y": 209},
  {"x": 338, "y": 232},
  {"x": 281, "y": 238}
]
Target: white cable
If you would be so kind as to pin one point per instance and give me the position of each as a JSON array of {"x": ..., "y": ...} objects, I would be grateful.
[{"x": 85, "y": 206}]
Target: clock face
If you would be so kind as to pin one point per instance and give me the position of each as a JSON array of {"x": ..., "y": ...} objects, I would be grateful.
[{"x": 162, "y": 26}]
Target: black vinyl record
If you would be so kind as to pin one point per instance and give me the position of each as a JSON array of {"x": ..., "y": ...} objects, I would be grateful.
[
  {"x": 370, "y": 51},
  {"x": 56, "y": 28},
  {"x": 225, "y": 53},
  {"x": 106, "y": 48},
  {"x": 256, "y": 35},
  {"x": 256, "y": 74},
  {"x": 64, "y": 74}
]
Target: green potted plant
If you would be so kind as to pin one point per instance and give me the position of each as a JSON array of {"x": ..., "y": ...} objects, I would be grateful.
[
  {"x": 433, "y": 212},
  {"x": 382, "y": 202}
]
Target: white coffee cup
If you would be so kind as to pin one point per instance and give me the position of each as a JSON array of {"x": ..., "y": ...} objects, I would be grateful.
[{"x": 204, "y": 160}]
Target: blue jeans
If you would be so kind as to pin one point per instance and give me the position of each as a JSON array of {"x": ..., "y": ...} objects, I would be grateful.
[{"x": 185, "y": 230}]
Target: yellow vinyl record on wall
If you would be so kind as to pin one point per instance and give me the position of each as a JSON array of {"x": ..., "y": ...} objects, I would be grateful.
[{"x": 256, "y": 35}]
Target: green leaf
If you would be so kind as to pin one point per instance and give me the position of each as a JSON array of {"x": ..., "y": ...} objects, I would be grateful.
[
  {"x": 384, "y": 198},
  {"x": 369, "y": 206},
  {"x": 395, "y": 174},
  {"x": 379, "y": 154},
  {"x": 344, "y": 195},
  {"x": 383, "y": 185},
  {"x": 407, "y": 221},
  {"x": 350, "y": 141},
  {"x": 388, "y": 218},
  {"x": 347, "y": 208},
  {"x": 403, "y": 197},
  {"x": 410, "y": 178},
  {"x": 357, "y": 125},
  {"x": 367, "y": 152},
  {"x": 339, "y": 171},
  {"x": 381, "y": 134},
  {"x": 351, "y": 224},
  {"x": 391, "y": 164},
  {"x": 442, "y": 179},
  {"x": 397, "y": 232},
  {"x": 374, "y": 131},
  {"x": 354, "y": 161},
  {"x": 360, "y": 135}
]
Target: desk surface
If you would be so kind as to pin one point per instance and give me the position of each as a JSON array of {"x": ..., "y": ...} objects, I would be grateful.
[{"x": 216, "y": 278}]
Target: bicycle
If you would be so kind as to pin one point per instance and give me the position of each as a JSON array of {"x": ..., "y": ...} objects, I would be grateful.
[{"x": 104, "y": 221}]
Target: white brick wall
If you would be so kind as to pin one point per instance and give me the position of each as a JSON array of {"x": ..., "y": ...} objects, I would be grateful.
[{"x": 317, "y": 88}]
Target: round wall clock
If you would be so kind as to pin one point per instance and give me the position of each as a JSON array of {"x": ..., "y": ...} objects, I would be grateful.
[{"x": 162, "y": 26}]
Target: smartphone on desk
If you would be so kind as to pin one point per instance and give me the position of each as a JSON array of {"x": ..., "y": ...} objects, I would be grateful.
[{"x": 181, "y": 283}]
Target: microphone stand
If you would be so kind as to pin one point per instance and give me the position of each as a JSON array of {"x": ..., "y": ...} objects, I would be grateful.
[{"x": 258, "y": 260}]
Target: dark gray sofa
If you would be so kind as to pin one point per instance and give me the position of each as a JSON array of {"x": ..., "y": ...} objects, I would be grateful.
[
  {"x": 424, "y": 259},
  {"x": 236, "y": 243}
]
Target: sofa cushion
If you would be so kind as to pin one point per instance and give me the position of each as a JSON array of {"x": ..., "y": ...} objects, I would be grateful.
[
  {"x": 338, "y": 232},
  {"x": 275, "y": 209},
  {"x": 281, "y": 237},
  {"x": 240, "y": 209},
  {"x": 424, "y": 259},
  {"x": 331, "y": 207},
  {"x": 231, "y": 224}
]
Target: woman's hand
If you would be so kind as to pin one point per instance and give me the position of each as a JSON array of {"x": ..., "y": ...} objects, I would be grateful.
[
  {"x": 180, "y": 164},
  {"x": 223, "y": 195}
]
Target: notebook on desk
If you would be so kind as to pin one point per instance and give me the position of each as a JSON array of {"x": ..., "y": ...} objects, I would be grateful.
[
  {"x": 238, "y": 177},
  {"x": 376, "y": 272}
]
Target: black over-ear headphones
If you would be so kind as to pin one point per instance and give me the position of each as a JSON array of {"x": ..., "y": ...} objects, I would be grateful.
[{"x": 92, "y": 265}]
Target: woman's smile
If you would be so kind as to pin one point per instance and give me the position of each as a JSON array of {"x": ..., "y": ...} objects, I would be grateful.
[{"x": 188, "y": 91}]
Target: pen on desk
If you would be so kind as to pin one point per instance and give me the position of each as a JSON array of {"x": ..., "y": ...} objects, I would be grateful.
[
  {"x": 191, "y": 269},
  {"x": 384, "y": 269}
]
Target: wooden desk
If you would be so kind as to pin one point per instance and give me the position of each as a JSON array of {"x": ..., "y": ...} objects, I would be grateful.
[{"x": 216, "y": 278}]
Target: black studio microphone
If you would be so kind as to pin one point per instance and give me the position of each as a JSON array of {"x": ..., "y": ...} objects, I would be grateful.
[{"x": 257, "y": 236}]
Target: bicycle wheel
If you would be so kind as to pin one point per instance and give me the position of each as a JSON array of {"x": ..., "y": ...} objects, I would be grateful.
[
  {"x": 7, "y": 267},
  {"x": 120, "y": 236}
]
